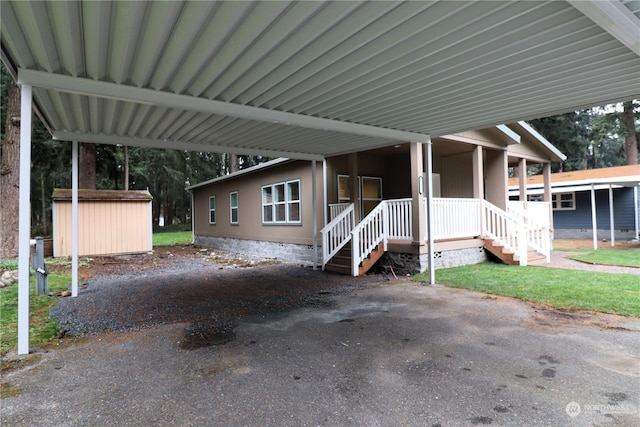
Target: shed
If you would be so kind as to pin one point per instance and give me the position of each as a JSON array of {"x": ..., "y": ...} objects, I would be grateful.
[{"x": 109, "y": 222}]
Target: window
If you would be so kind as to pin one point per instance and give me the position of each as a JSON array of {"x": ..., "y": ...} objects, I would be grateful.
[
  {"x": 563, "y": 201},
  {"x": 233, "y": 205},
  {"x": 281, "y": 203},
  {"x": 212, "y": 209}
]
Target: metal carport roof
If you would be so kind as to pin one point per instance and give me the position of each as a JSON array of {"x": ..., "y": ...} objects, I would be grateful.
[
  {"x": 304, "y": 79},
  {"x": 313, "y": 79}
]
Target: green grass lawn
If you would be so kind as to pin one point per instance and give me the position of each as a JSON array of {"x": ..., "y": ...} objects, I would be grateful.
[
  {"x": 172, "y": 238},
  {"x": 565, "y": 289},
  {"x": 42, "y": 327},
  {"x": 622, "y": 257}
]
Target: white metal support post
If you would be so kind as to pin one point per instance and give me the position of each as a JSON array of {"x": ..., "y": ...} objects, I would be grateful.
[
  {"x": 635, "y": 210},
  {"x": 314, "y": 203},
  {"x": 594, "y": 222},
  {"x": 74, "y": 219},
  {"x": 24, "y": 227},
  {"x": 428, "y": 160}
]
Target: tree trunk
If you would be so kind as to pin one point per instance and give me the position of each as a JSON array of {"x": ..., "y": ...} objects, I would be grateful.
[
  {"x": 630, "y": 137},
  {"x": 126, "y": 167},
  {"x": 10, "y": 177},
  {"x": 43, "y": 202},
  {"x": 87, "y": 166},
  {"x": 233, "y": 163}
]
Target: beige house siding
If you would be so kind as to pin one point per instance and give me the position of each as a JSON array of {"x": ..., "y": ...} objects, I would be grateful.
[
  {"x": 104, "y": 227},
  {"x": 249, "y": 188}
]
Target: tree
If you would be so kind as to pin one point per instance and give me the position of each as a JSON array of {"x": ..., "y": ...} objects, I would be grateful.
[
  {"x": 631, "y": 136},
  {"x": 87, "y": 166},
  {"x": 10, "y": 174}
]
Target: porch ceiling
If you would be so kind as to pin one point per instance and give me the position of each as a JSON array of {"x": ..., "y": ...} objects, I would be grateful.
[{"x": 317, "y": 78}]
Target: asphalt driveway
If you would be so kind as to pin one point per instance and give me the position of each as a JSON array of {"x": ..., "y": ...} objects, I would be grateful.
[{"x": 333, "y": 351}]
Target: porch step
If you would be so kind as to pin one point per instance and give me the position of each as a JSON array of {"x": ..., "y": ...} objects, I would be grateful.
[
  {"x": 341, "y": 262},
  {"x": 498, "y": 250},
  {"x": 507, "y": 256}
]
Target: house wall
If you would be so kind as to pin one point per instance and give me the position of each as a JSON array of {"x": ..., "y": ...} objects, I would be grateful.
[
  {"x": 456, "y": 176},
  {"x": 104, "y": 227},
  {"x": 576, "y": 224},
  {"x": 249, "y": 188}
]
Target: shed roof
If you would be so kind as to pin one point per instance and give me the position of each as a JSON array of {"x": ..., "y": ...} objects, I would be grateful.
[
  {"x": 316, "y": 78},
  {"x": 64, "y": 194}
]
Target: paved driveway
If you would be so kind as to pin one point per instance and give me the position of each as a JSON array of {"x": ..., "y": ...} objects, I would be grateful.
[{"x": 374, "y": 353}]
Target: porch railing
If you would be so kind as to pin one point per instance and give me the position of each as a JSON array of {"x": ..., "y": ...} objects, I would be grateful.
[
  {"x": 456, "y": 218},
  {"x": 336, "y": 208},
  {"x": 536, "y": 227},
  {"x": 368, "y": 234},
  {"x": 337, "y": 233},
  {"x": 400, "y": 219}
]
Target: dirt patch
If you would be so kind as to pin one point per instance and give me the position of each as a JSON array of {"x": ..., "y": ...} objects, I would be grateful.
[{"x": 556, "y": 320}]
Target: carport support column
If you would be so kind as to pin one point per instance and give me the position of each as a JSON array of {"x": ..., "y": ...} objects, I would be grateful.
[
  {"x": 74, "y": 219},
  {"x": 428, "y": 160},
  {"x": 418, "y": 227},
  {"x": 314, "y": 204},
  {"x": 594, "y": 222},
  {"x": 24, "y": 221},
  {"x": 546, "y": 196}
]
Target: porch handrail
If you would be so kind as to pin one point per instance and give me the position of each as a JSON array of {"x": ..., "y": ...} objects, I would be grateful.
[
  {"x": 538, "y": 234},
  {"x": 337, "y": 233},
  {"x": 336, "y": 208},
  {"x": 456, "y": 218},
  {"x": 368, "y": 234},
  {"x": 501, "y": 227}
]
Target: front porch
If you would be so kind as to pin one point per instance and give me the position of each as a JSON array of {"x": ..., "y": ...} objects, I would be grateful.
[{"x": 515, "y": 235}]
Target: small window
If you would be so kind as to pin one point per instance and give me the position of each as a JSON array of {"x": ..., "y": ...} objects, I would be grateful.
[
  {"x": 563, "y": 201},
  {"x": 212, "y": 209},
  {"x": 233, "y": 204},
  {"x": 281, "y": 203}
]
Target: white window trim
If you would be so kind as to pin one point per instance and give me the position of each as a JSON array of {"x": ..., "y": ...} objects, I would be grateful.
[
  {"x": 287, "y": 203},
  {"x": 212, "y": 210},
  {"x": 556, "y": 201},
  {"x": 236, "y": 207}
]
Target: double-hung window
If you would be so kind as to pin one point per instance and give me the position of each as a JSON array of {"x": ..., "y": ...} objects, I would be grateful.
[
  {"x": 281, "y": 203},
  {"x": 212, "y": 209},
  {"x": 233, "y": 206},
  {"x": 563, "y": 201}
]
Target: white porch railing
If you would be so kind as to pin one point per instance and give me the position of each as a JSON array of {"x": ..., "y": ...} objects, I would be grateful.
[
  {"x": 516, "y": 230},
  {"x": 536, "y": 225},
  {"x": 337, "y": 233},
  {"x": 456, "y": 218},
  {"x": 368, "y": 234}
]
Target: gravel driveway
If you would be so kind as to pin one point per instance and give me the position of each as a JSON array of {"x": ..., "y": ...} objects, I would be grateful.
[{"x": 197, "y": 343}]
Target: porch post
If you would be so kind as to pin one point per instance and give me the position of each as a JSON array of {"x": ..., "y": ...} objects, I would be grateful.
[
  {"x": 428, "y": 159},
  {"x": 418, "y": 225},
  {"x": 325, "y": 202},
  {"x": 611, "y": 223},
  {"x": 354, "y": 187},
  {"x": 74, "y": 219},
  {"x": 635, "y": 210},
  {"x": 478, "y": 173},
  {"x": 594, "y": 222},
  {"x": 522, "y": 180},
  {"x": 314, "y": 204},
  {"x": 24, "y": 221},
  {"x": 497, "y": 177}
]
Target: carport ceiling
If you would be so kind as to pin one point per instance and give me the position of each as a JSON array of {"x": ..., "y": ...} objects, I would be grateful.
[{"x": 313, "y": 79}]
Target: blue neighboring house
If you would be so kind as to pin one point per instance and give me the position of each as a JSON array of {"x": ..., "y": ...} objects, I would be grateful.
[{"x": 616, "y": 192}]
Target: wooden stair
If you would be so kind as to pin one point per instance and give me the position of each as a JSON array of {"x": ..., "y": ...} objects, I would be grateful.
[
  {"x": 341, "y": 262},
  {"x": 508, "y": 256}
]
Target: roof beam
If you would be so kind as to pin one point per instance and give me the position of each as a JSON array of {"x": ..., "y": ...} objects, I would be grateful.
[
  {"x": 81, "y": 86},
  {"x": 613, "y": 17},
  {"x": 511, "y": 134},
  {"x": 178, "y": 145}
]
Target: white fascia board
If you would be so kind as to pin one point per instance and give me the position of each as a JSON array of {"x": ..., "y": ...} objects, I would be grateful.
[
  {"x": 119, "y": 92},
  {"x": 510, "y": 133},
  {"x": 178, "y": 145},
  {"x": 613, "y": 17},
  {"x": 542, "y": 140},
  {"x": 256, "y": 168},
  {"x": 565, "y": 189}
]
